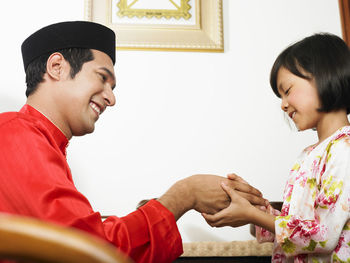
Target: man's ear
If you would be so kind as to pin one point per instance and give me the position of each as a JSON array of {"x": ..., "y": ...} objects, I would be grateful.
[{"x": 56, "y": 66}]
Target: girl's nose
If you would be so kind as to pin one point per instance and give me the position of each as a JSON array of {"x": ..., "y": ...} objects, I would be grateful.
[{"x": 284, "y": 105}]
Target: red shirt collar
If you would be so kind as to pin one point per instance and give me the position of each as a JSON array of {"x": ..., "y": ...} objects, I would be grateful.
[{"x": 57, "y": 134}]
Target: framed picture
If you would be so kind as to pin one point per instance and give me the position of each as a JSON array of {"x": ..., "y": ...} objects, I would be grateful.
[
  {"x": 344, "y": 8},
  {"x": 181, "y": 25}
]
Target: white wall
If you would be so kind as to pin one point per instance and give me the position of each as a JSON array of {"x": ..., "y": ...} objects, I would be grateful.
[{"x": 181, "y": 113}]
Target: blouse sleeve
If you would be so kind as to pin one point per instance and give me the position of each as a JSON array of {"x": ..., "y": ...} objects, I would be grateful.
[{"x": 319, "y": 210}]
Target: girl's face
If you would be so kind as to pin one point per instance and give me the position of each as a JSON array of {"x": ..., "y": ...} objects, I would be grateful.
[{"x": 299, "y": 99}]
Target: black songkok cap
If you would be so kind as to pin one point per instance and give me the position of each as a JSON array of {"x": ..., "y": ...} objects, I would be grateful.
[{"x": 73, "y": 34}]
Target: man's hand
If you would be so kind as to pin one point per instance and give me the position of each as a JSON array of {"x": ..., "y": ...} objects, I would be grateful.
[{"x": 204, "y": 193}]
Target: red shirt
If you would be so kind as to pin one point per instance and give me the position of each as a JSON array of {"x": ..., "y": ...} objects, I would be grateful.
[{"x": 35, "y": 181}]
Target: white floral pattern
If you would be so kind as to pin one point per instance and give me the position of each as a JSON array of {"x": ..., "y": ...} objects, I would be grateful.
[{"x": 314, "y": 225}]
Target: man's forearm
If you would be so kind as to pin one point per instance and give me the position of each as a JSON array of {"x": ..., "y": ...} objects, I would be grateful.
[{"x": 178, "y": 199}]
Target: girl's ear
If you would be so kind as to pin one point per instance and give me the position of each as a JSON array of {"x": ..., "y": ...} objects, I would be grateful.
[{"x": 56, "y": 66}]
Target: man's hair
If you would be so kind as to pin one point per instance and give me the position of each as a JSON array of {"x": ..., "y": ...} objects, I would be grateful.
[
  {"x": 76, "y": 57},
  {"x": 326, "y": 59}
]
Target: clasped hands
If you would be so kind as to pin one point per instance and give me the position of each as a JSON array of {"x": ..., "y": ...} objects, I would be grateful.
[
  {"x": 243, "y": 199},
  {"x": 221, "y": 201}
]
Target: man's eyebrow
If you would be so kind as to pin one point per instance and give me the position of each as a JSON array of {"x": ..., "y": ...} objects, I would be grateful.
[{"x": 109, "y": 74}]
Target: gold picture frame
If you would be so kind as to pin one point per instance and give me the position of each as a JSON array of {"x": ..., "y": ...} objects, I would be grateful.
[
  {"x": 344, "y": 9},
  {"x": 204, "y": 34}
]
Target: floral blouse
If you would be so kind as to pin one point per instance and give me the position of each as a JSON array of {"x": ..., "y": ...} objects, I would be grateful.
[{"x": 314, "y": 224}]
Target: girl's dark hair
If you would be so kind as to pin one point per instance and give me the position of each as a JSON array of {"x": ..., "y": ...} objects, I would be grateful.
[
  {"x": 326, "y": 58},
  {"x": 35, "y": 71}
]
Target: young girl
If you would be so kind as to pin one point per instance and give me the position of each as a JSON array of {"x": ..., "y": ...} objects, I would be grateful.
[{"x": 312, "y": 77}]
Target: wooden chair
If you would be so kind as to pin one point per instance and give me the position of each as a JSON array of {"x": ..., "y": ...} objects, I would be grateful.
[{"x": 32, "y": 240}]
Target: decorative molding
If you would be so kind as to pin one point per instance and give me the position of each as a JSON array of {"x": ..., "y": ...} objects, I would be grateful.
[
  {"x": 181, "y": 10},
  {"x": 204, "y": 35}
]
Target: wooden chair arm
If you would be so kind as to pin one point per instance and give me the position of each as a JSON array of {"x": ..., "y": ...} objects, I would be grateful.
[{"x": 23, "y": 238}]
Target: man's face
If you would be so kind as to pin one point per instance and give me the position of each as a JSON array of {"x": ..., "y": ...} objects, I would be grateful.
[{"x": 84, "y": 98}]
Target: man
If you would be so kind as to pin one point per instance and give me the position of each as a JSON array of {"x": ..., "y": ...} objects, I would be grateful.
[{"x": 70, "y": 81}]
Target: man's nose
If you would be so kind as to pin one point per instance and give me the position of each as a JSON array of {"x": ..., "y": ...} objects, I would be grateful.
[{"x": 108, "y": 96}]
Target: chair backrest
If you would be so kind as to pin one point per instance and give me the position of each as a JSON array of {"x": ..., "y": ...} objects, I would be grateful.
[{"x": 23, "y": 238}]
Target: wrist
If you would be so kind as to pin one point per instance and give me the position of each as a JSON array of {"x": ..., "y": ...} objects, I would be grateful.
[
  {"x": 263, "y": 219},
  {"x": 178, "y": 199},
  {"x": 250, "y": 213}
]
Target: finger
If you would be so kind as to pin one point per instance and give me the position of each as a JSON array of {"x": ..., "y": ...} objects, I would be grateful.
[
  {"x": 219, "y": 223},
  {"x": 243, "y": 187},
  {"x": 209, "y": 219},
  {"x": 261, "y": 207},
  {"x": 217, "y": 216},
  {"x": 253, "y": 199},
  {"x": 229, "y": 190},
  {"x": 209, "y": 223},
  {"x": 233, "y": 176},
  {"x": 235, "y": 195},
  {"x": 223, "y": 222},
  {"x": 213, "y": 224}
]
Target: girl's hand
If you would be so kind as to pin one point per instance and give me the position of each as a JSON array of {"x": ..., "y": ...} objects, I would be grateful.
[
  {"x": 236, "y": 214},
  {"x": 244, "y": 193}
]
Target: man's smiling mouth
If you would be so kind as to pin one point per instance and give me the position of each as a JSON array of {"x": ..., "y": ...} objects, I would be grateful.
[{"x": 95, "y": 107}]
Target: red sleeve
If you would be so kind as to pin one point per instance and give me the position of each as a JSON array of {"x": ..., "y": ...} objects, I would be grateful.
[{"x": 35, "y": 181}]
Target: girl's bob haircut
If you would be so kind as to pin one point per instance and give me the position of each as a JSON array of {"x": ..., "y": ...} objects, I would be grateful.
[{"x": 324, "y": 58}]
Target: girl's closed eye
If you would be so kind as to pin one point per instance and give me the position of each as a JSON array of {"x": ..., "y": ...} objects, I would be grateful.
[{"x": 287, "y": 91}]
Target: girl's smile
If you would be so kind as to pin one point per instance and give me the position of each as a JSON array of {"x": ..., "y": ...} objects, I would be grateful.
[
  {"x": 300, "y": 99},
  {"x": 301, "y": 102}
]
